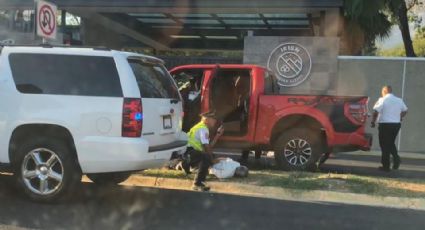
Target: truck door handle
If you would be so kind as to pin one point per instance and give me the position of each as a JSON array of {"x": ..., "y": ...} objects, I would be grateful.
[{"x": 174, "y": 101}]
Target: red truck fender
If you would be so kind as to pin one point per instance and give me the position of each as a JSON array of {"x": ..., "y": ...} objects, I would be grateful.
[{"x": 306, "y": 112}]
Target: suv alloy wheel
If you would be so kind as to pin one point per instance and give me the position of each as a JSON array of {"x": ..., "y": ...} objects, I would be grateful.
[{"x": 46, "y": 169}]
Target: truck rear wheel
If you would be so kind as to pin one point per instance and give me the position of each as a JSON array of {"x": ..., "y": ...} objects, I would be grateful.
[
  {"x": 298, "y": 149},
  {"x": 46, "y": 169},
  {"x": 105, "y": 179}
]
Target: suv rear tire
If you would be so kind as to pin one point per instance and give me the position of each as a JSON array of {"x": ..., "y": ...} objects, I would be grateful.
[
  {"x": 46, "y": 169},
  {"x": 114, "y": 178},
  {"x": 298, "y": 149}
]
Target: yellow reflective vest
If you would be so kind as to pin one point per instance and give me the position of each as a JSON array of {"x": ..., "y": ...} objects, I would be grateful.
[{"x": 193, "y": 141}]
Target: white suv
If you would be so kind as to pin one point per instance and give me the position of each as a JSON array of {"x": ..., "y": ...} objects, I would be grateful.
[{"x": 65, "y": 112}]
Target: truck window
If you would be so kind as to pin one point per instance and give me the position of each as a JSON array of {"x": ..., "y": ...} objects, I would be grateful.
[
  {"x": 189, "y": 78},
  {"x": 65, "y": 75},
  {"x": 154, "y": 80}
]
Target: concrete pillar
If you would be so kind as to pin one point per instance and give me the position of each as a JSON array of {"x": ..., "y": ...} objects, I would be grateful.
[
  {"x": 330, "y": 23},
  {"x": 63, "y": 19},
  {"x": 94, "y": 34}
]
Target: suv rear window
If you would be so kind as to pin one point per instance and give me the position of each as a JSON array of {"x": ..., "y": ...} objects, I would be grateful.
[
  {"x": 65, "y": 74},
  {"x": 154, "y": 80}
]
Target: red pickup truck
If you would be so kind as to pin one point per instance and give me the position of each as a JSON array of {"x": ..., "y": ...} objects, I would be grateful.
[{"x": 258, "y": 116}]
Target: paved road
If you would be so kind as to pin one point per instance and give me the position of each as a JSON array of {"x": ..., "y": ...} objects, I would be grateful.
[
  {"x": 143, "y": 208},
  {"x": 412, "y": 167}
]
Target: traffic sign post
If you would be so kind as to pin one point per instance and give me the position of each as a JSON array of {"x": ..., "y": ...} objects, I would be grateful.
[{"x": 46, "y": 20}]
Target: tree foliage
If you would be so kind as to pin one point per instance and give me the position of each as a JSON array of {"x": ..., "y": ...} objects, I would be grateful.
[
  {"x": 369, "y": 16},
  {"x": 376, "y": 17},
  {"x": 399, "y": 51}
]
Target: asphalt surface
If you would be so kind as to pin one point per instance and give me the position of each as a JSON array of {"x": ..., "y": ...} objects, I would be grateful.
[
  {"x": 123, "y": 207},
  {"x": 147, "y": 208},
  {"x": 367, "y": 165}
]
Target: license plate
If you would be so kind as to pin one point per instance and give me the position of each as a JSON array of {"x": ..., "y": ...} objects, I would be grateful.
[{"x": 167, "y": 122}]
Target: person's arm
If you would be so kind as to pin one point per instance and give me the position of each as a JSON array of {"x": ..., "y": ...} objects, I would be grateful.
[
  {"x": 402, "y": 115},
  {"x": 374, "y": 117},
  {"x": 209, "y": 147},
  {"x": 219, "y": 133},
  {"x": 377, "y": 108},
  {"x": 404, "y": 111},
  {"x": 206, "y": 142}
]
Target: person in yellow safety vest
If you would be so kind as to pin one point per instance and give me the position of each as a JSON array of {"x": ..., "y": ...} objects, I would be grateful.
[{"x": 199, "y": 149}]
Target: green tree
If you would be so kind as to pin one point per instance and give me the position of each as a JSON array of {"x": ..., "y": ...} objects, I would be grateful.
[
  {"x": 420, "y": 33},
  {"x": 376, "y": 17},
  {"x": 399, "y": 51},
  {"x": 399, "y": 12},
  {"x": 366, "y": 21},
  {"x": 369, "y": 15}
]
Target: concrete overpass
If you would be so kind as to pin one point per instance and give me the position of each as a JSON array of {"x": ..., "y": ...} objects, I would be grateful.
[{"x": 195, "y": 24}]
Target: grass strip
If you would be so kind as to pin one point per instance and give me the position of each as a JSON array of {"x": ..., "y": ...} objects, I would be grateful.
[{"x": 376, "y": 186}]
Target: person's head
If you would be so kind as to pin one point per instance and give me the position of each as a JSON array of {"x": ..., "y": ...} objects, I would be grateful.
[
  {"x": 386, "y": 90},
  {"x": 241, "y": 171},
  {"x": 210, "y": 119}
]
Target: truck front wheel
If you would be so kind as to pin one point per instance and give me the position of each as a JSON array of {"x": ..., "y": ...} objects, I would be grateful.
[{"x": 298, "y": 149}]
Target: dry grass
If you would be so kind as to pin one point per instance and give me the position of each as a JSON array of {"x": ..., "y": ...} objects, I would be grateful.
[{"x": 317, "y": 181}]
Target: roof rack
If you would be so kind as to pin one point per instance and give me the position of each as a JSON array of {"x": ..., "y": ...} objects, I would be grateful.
[{"x": 56, "y": 46}]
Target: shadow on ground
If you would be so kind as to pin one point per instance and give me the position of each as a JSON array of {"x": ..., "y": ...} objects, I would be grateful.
[
  {"x": 356, "y": 164},
  {"x": 368, "y": 171}
]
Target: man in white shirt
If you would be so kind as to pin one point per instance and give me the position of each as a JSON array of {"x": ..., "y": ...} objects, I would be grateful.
[{"x": 389, "y": 111}]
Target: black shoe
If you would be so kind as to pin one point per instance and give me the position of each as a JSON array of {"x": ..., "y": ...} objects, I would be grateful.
[
  {"x": 186, "y": 167},
  {"x": 201, "y": 187},
  {"x": 396, "y": 164},
  {"x": 384, "y": 169}
]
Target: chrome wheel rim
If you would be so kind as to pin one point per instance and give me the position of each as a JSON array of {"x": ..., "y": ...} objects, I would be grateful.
[
  {"x": 297, "y": 152},
  {"x": 42, "y": 171}
]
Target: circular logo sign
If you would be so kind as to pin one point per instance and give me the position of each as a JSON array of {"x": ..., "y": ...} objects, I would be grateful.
[{"x": 291, "y": 63}]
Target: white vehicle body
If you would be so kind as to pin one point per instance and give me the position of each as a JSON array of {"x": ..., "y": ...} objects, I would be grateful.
[{"x": 93, "y": 122}]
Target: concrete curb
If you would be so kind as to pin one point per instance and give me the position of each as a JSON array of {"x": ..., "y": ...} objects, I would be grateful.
[{"x": 283, "y": 194}]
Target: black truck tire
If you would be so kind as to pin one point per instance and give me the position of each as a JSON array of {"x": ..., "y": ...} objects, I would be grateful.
[{"x": 298, "y": 149}]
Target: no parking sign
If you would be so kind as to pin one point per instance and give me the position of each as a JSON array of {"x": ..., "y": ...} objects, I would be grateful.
[{"x": 46, "y": 19}]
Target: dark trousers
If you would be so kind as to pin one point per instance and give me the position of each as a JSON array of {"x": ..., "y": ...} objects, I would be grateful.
[
  {"x": 202, "y": 160},
  {"x": 387, "y": 134}
]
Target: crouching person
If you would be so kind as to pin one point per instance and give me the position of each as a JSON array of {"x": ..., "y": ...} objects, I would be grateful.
[{"x": 200, "y": 149}]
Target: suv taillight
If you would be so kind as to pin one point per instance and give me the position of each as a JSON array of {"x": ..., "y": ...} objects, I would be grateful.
[
  {"x": 132, "y": 117},
  {"x": 357, "y": 112}
]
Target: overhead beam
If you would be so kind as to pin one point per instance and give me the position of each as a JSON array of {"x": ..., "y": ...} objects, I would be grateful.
[
  {"x": 144, "y": 28},
  {"x": 242, "y": 32},
  {"x": 265, "y": 21},
  {"x": 176, "y": 20},
  {"x": 197, "y": 6},
  {"x": 220, "y": 20},
  {"x": 179, "y": 23},
  {"x": 231, "y": 26},
  {"x": 225, "y": 17},
  {"x": 208, "y": 44},
  {"x": 16, "y": 4},
  {"x": 124, "y": 29}
]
